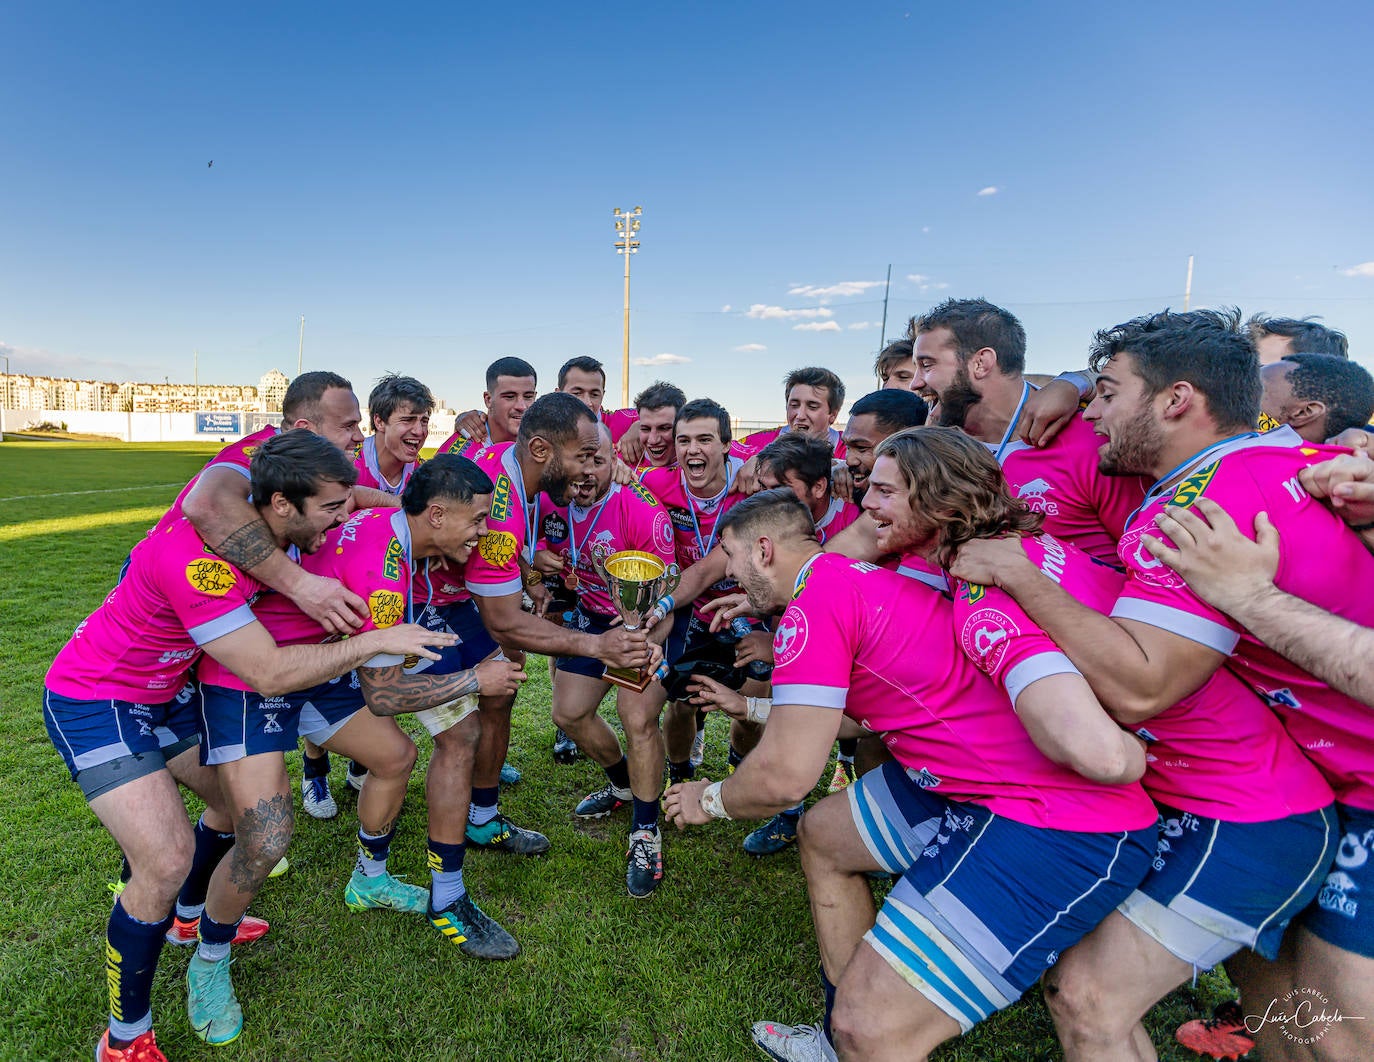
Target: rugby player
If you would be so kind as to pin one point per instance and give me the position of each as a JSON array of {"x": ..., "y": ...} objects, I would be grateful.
[
  {"x": 1247, "y": 824},
  {"x": 1177, "y": 398},
  {"x": 968, "y": 813},
  {"x": 649, "y": 442},
  {"x": 556, "y": 446},
  {"x": 512, "y": 386},
  {"x": 1317, "y": 395},
  {"x": 696, "y": 492},
  {"x": 814, "y": 398},
  {"x": 895, "y": 366},
  {"x": 603, "y": 518},
  {"x": 1275, "y": 338},
  {"x": 111, "y": 707},
  {"x": 871, "y": 420}
]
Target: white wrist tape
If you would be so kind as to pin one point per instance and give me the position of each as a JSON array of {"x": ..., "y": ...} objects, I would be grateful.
[
  {"x": 711, "y": 802},
  {"x": 756, "y": 709}
]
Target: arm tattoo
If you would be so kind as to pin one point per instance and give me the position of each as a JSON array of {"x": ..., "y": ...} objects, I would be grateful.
[
  {"x": 261, "y": 836},
  {"x": 247, "y": 547},
  {"x": 390, "y": 691}
]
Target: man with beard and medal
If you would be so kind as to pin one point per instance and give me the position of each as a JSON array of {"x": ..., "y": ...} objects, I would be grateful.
[
  {"x": 555, "y": 446},
  {"x": 604, "y": 518}
]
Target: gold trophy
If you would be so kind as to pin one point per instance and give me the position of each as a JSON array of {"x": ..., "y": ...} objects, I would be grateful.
[{"x": 634, "y": 580}]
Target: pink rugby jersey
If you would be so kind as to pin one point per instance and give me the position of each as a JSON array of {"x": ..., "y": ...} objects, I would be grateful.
[
  {"x": 618, "y": 421},
  {"x": 752, "y": 444},
  {"x": 370, "y": 473},
  {"x": 838, "y": 515},
  {"x": 1320, "y": 560},
  {"x": 237, "y": 455},
  {"x": 1219, "y": 752},
  {"x": 493, "y": 570},
  {"x": 882, "y": 649},
  {"x": 1081, "y": 505},
  {"x": 140, "y": 643},
  {"x": 927, "y": 572},
  {"x": 628, "y": 517},
  {"x": 467, "y": 446},
  {"x": 694, "y": 521}
]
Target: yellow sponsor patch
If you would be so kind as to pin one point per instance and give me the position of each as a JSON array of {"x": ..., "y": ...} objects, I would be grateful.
[
  {"x": 1267, "y": 423},
  {"x": 211, "y": 576},
  {"x": 975, "y": 592},
  {"x": 386, "y": 607},
  {"x": 391, "y": 563},
  {"x": 1190, "y": 490},
  {"x": 497, "y": 548},
  {"x": 500, "y": 499}
]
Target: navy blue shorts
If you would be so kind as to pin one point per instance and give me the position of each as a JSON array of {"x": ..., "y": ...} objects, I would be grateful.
[
  {"x": 985, "y": 905},
  {"x": 107, "y": 743},
  {"x": 591, "y": 623},
  {"x": 235, "y": 724},
  {"x": 474, "y": 643},
  {"x": 1341, "y": 915},
  {"x": 1215, "y": 887}
]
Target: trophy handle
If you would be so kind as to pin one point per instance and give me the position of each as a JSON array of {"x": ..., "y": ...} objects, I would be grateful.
[
  {"x": 598, "y": 566},
  {"x": 671, "y": 578}
]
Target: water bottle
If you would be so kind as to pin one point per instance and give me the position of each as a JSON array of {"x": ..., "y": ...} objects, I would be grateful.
[{"x": 755, "y": 669}]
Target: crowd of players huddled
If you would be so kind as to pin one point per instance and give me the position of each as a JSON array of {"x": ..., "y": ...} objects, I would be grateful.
[{"x": 1089, "y": 655}]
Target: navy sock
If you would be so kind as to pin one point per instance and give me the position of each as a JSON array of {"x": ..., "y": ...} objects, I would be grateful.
[
  {"x": 355, "y": 768},
  {"x": 215, "y": 938},
  {"x": 794, "y": 812},
  {"x": 315, "y": 767},
  {"x": 125, "y": 871},
  {"x": 482, "y": 806},
  {"x": 848, "y": 746},
  {"x": 701, "y": 721},
  {"x": 211, "y": 847},
  {"x": 445, "y": 874},
  {"x": 131, "y": 951},
  {"x": 681, "y": 772},
  {"x": 829, "y": 991},
  {"x": 646, "y": 815},
  {"x": 733, "y": 759},
  {"x": 619, "y": 773},
  {"x": 373, "y": 852}
]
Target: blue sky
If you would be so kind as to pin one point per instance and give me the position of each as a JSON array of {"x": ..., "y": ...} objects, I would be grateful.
[{"x": 432, "y": 186}]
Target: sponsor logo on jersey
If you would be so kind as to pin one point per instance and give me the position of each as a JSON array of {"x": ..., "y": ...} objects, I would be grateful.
[
  {"x": 643, "y": 493},
  {"x": 387, "y": 607},
  {"x": 663, "y": 530},
  {"x": 1267, "y": 423},
  {"x": 973, "y": 592},
  {"x": 985, "y": 637},
  {"x": 498, "y": 548},
  {"x": 682, "y": 519},
  {"x": 500, "y": 499},
  {"x": 924, "y": 778},
  {"x": 391, "y": 564},
  {"x": 209, "y": 576},
  {"x": 801, "y": 583},
  {"x": 554, "y": 528},
  {"x": 790, "y": 639},
  {"x": 1190, "y": 490},
  {"x": 1034, "y": 495}
]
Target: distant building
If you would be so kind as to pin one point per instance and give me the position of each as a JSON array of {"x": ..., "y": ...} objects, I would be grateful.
[{"x": 271, "y": 390}]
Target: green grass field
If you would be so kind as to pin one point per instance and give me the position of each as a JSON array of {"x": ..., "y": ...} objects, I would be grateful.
[{"x": 726, "y": 940}]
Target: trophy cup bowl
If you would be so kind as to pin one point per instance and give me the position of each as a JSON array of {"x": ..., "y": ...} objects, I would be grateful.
[{"x": 635, "y": 580}]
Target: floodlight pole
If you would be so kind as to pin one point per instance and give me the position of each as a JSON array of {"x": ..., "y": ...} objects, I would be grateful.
[
  {"x": 627, "y": 243},
  {"x": 300, "y": 346},
  {"x": 1188, "y": 286}
]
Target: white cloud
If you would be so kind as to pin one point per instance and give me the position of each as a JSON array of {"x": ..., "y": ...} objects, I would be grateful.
[
  {"x": 925, "y": 283},
  {"x": 1364, "y": 269},
  {"x": 817, "y": 326},
  {"x": 750, "y": 348},
  {"x": 833, "y": 291},
  {"x": 991, "y": 189},
  {"x": 918, "y": 278},
  {"x": 663, "y": 359},
  {"x": 725, "y": 308},
  {"x": 859, "y": 326},
  {"x": 925, "y": 228},
  {"x": 760, "y": 312},
  {"x": 37, "y": 362}
]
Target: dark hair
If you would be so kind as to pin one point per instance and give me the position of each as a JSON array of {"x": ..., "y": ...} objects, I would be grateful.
[
  {"x": 554, "y": 418},
  {"x": 1344, "y": 387},
  {"x": 956, "y": 488},
  {"x": 293, "y": 464},
  {"x": 517, "y": 367},
  {"x": 303, "y": 395},
  {"x": 896, "y": 352},
  {"x": 809, "y": 458},
  {"x": 977, "y": 323},
  {"x": 814, "y": 376},
  {"x": 1308, "y": 337},
  {"x": 444, "y": 476},
  {"x": 660, "y": 393},
  {"x": 778, "y": 509},
  {"x": 892, "y": 409},
  {"x": 582, "y": 364},
  {"x": 393, "y": 391},
  {"x": 1205, "y": 348},
  {"x": 704, "y": 407}
]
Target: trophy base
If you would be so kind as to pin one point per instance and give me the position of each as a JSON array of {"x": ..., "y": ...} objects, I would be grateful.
[{"x": 628, "y": 678}]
